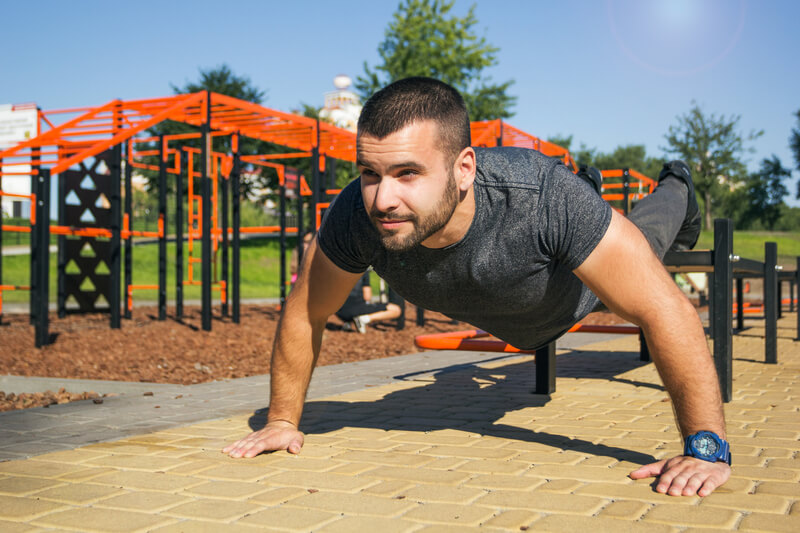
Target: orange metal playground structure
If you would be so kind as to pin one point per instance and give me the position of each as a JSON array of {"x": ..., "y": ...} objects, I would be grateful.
[{"x": 116, "y": 133}]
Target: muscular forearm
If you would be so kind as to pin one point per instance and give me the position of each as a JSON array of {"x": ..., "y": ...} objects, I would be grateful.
[
  {"x": 294, "y": 355},
  {"x": 678, "y": 346}
]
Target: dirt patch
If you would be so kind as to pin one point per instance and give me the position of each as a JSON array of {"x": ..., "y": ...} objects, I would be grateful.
[{"x": 172, "y": 351}]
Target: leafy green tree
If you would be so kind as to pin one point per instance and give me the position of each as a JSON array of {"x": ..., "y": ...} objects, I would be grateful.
[
  {"x": 765, "y": 190},
  {"x": 633, "y": 156},
  {"x": 713, "y": 147},
  {"x": 424, "y": 39},
  {"x": 794, "y": 144},
  {"x": 220, "y": 80}
]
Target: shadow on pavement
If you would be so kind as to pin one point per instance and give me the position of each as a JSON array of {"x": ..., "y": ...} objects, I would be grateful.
[{"x": 472, "y": 398}]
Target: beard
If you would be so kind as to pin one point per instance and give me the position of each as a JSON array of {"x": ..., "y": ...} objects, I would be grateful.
[{"x": 423, "y": 227}]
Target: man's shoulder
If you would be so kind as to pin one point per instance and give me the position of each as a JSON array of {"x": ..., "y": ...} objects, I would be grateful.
[{"x": 510, "y": 166}]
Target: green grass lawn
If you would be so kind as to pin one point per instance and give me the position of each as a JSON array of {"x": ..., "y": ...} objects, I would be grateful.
[
  {"x": 260, "y": 265},
  {"x": 750, "y": 244},
  {"x": 259, "y": 272}
]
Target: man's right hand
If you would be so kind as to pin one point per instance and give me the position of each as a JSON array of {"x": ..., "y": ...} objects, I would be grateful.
[{"x": 278, "y": 435}]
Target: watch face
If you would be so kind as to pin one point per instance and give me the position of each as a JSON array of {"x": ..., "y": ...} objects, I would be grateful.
[{"x": 705, "y": 445}]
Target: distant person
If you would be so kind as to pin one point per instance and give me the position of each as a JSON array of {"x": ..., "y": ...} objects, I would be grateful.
[{"x": 359, "y": 310}]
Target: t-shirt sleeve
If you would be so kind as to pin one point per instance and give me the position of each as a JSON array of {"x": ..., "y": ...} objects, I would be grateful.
[
  {"x": 574, "y": 219},
  {"x": 341, "y": 229}
]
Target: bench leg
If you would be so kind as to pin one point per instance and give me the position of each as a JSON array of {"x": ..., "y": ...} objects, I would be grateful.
[{"x": 546, "y": 369}]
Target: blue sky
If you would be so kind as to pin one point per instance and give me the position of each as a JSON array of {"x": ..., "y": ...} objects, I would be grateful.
[{"x": 608, "y": 72}]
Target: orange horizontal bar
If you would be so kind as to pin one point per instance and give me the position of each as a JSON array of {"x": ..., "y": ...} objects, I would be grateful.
[
  {"x": 143, "y": 287},
  {"x": 80, "y": 232},
  {"x": 18, "y": 229},
  {"x": 14, "y": 195},
  {"x": 14, "y": 288}
]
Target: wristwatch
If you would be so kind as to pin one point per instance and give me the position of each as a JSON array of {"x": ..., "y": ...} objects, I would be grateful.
[{"x": 708, "y": 446}]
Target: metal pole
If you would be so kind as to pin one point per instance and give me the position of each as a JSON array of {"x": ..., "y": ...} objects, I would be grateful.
[
  {"x": 162, "y": 229},
  {"x": 206, "y": 223},
  {"x": 61, "y": 283},
  {"x": 722, "y": 298},
  {"x": 237, "y": 269},
  {"x": 315, "y": 183},
  {"x": 42, "y": 335},
  {"x": 300, "y": 229},
  {"x": 129, "y": 213},
  {"x": 797, "y": 287},
  {"x": 35, "y": 155},
  {"x": 225, "y": 277},
  {"x": 282, "y": 241},
  {"x": 770, "y": 302},
  {"x": 116, "y": 225},
  {"x": 739, "y": 304},
  {"x": 179, "y": 234},
  {"x": 546, "y": 369},
  {"x": 626, "y": 189},
  {"x": 1, "y": 239}
]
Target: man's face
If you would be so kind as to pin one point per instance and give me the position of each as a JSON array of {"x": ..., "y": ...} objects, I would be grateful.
[{"x": 408, "y": 184}]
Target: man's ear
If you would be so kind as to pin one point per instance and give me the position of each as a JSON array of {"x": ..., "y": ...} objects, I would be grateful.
[{"x": 464, "y": 169}]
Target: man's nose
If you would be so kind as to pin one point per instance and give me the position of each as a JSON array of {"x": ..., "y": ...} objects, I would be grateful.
[{"x": 386, "y": 198}]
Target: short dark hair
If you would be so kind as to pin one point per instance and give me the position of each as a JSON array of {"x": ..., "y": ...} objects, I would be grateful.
[{"x": 409, "y": 100}]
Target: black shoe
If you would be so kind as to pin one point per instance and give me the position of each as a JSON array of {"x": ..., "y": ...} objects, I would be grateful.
[
  {"x": 692, "y": 222},
  {"x": 592, "y": 176}
]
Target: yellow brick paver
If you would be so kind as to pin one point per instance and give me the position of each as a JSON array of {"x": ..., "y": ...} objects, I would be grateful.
[
  {"x": 494, "y": 458},
  {"x": 92, "y": 519}
]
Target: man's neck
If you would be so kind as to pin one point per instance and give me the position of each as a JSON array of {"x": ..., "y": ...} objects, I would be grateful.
[{"x": 458, "y": 225}]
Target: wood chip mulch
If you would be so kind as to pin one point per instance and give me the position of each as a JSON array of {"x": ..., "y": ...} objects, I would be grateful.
[{"x": 145, "y": 349}]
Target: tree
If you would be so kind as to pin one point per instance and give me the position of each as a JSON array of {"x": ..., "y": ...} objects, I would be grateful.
[
  {"x": 424, "y": 40},
  {"x": 713, "y": 148},
  {"x": 220, "y": 80},
  {"x": 765, "y": 191},
  {"x": 633, "y": 156},
  {"x": 794, "y": 144}
]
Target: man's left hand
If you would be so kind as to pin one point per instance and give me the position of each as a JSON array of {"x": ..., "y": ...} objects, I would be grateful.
[{"x": 685, "y": 476}]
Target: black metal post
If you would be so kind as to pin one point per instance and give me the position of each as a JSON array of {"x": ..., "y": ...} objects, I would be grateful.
[
  {"x": 722, "y": 296},
  {"x": 34, "y": 255},
  {"x": 129, "y": 213},
  {"x": 780, "y": 298},
  {"x": 315, "y": 183},
  {"x": 282, "y": 241},
  {"x": 42, "y": 334},
  {"x": 205, "y": 177},
  {"x": 710, "y": 284},
  {"x": 116, "y": 227},
  {"x": 225, "y": 277},
  {"x": 420, "y": 316},
  {"x": 770, "y": 302},
  {"x": 644, "y": 350},
  {"x": 179, "y": 234},
  {"x": 1, "y": 238},
  {"x": 61, "y": 261},
  {"x": 237, "y": 249},
  {"x": 300, "y": 228},
  {"x": 626, "y": 189},
  {"x": 546, "y": 369},
  {"x": 797, "y": 286},
  {"x": 162, "y": 228},
  {"x": 739, "y": 304}
]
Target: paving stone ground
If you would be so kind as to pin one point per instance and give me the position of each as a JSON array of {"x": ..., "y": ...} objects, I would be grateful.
[{"x": 453, "y": 446}]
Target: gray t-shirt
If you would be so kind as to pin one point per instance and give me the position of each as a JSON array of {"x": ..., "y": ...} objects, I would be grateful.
[{"x": 511, "y": 274}]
